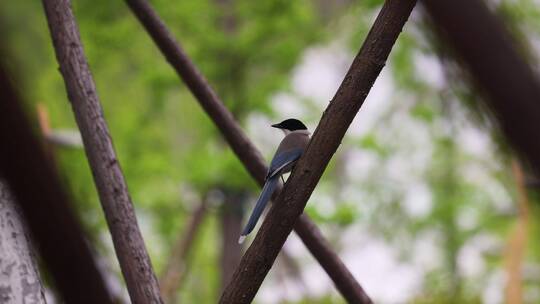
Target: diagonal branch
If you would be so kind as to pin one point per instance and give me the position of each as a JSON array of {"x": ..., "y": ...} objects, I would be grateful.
[
  {"x": 199, "y": 87},
  {"x": 326, "y": 139},
  {"x": 491, "y": 55},
  {"x": 134, "y": 261},
  {"x": 242, "y": 146},
  {"x": 36, "y": 188},
  {"x": 230, "y": 214}
]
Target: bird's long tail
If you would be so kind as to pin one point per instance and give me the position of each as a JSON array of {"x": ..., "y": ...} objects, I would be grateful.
[{"x": 265, "y": 196}]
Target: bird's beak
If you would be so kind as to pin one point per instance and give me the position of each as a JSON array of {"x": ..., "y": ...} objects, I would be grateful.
[{"x": 276, "y": 126}]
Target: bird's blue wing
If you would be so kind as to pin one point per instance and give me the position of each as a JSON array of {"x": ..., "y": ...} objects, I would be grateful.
[
  {"x": 272, "y": 178},
  {"x": 265, "y": 196},
  {"x": 283, "y": 159}
]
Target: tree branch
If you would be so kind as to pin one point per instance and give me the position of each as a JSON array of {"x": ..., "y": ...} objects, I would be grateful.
[
  {"x": 326, "y": 139},
  {"x": 175, "y": 270},
  {"x": 489, "y": 52},
  {"x": 134, "y": 261},
  {"x": 241, "y": 145},
  {"x": 37, "y": 189},
  {"x": 231, "y": 213}
]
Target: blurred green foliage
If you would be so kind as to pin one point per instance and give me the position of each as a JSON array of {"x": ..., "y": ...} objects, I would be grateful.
[
  {"x": 163, "y": 138},
  {"x": 173, "y": 156}
]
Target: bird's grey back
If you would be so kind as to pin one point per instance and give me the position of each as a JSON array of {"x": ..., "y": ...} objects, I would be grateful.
[{"x": 294, "y": 140}]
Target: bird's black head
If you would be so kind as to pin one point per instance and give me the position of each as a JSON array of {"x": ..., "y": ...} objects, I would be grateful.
[{"x": 291, "y": 125}]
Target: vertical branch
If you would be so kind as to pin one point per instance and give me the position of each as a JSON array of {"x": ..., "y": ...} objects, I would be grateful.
[
  {"x": 231, "y": 214},
  {"x": 517, "y": 241},
  {"x": 244, "y": 149},
  {"x": 175, "y": 270},
  {"x": 326, "y": 139},
  {"x": 134, "y": 261},
  {"x": 37, "y": 190},
  {"x": 20, "y": 278}
]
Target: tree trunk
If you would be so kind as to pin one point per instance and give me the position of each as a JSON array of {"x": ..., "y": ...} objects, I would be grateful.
[
  {"x": 36, "y": 188},
  {"x": 111, "y": 185},
  {"x": 20, "y": 282}
]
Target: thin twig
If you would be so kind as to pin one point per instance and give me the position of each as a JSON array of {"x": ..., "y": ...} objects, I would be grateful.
[
  {"x": 134, "y": 261},
  {"x": 326, "y": 139}
]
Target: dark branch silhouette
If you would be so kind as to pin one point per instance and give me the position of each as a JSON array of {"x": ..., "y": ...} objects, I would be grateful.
[
  {"x": 134, "y": 261},
  {"x": 36, "y": 187},
  {"x": 326, "y": 139},
  {"x": 242, "y": 146},
  {"x": 491, "y": 56}
]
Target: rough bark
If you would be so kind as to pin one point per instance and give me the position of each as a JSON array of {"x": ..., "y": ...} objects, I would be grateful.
[
  {"x": 19, "y": 275},
  {"x": 36, "y": 188},
  {"x": 244, "y": 149},
  {"x": 175, "y": 271},
  {"x": 134, "y": 261},
  {"x": 326, "y": 139},
  {"x": 491, "y": 56}
]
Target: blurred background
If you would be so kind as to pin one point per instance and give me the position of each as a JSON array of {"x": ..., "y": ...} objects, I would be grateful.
[{"x": 424, "y": 200}]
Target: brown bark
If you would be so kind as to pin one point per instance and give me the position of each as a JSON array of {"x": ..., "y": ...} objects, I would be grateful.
[
  {"x": 326, "y": 139},
  {"x": 240, "y": 144},
  {"x": 175, "y": 270},
  {"x": 491, "y": 56},
  {"x": 37, "y": 189},
  {"x": 134, "y": 261}
]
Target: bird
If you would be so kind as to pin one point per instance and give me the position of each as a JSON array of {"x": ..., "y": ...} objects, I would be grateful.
[{"x": 288, "y": 152}]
